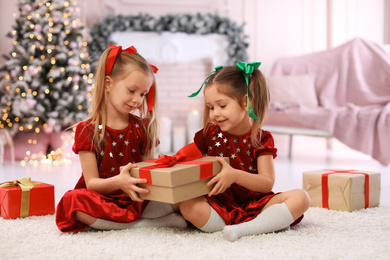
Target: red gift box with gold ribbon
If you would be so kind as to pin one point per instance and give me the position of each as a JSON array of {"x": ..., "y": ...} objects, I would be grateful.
[
  {"x": 23, "y": 197},
  {"x": 177, "y": 178},
  {"x": 342, "y": 189}
]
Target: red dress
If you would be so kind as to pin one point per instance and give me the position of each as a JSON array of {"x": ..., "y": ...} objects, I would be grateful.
[
  {"x": 237, "y": 204},
  {"x": 121, "y": 147}
]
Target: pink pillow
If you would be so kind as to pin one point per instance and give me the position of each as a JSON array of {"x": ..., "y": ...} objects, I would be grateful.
[{"x": 293, "y": 90}]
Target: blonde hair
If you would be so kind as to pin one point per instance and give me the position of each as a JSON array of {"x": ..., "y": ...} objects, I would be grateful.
[
  {"x": 231, "y": 81},
  {"x": 125, "y": 63}
]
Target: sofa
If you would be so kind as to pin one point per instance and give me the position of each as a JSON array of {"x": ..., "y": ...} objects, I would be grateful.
[{"x": 343, "y": 93}]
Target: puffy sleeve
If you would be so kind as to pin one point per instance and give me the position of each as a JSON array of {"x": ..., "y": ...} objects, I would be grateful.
[
  {"x": 267, "y": 145},
  {"x": 200, "y": 141},
  {"x": 83, "y": 138}
]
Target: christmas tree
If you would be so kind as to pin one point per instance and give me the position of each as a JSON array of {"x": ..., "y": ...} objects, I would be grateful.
[{"x": 46, "y": 81}]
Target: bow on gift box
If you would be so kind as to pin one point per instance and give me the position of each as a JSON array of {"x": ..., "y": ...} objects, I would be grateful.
[
  {"x": 26, "y": 185},
  {"x": 184, "y": 156},
  {"x": 187, "y": 153}
]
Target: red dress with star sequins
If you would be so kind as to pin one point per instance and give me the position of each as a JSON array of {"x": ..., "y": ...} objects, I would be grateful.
[
  {"x": 121, "y": 147},
  {"x": 237, "y": 204}
]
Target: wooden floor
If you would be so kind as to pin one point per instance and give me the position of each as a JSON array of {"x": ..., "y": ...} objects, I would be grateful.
[{"x": 308, "y": 153}]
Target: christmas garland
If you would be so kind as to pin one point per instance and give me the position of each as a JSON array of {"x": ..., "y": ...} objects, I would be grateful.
[{"x": 189, "y": 23}]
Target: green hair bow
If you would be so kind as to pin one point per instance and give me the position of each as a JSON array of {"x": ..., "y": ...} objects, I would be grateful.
[
  {"x": 247, "y": 69},
  {"x": 204, "y": 82}
]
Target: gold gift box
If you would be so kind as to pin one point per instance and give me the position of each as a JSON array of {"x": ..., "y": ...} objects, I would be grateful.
[
  {"x": 346, "y": 188},
  {"x": 177, "y": 183}
]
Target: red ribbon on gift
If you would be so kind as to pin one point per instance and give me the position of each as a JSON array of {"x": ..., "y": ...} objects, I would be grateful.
[
  {"x": 185, "y": 155},
  {"x": 324, "y": 184}
]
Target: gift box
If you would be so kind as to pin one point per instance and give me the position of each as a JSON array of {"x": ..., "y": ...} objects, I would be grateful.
[
  {"x": 180, "y": 182},
  {"x": 23, "y": 198},
  {"x": 345, "y": 190}
]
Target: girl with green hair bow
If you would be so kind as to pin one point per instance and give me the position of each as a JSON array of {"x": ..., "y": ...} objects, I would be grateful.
[{"x": 241, "y": 201}]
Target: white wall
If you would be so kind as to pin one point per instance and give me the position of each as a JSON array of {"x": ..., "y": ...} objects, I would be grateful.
[
  {"x": 351, "y": 18},
  {"x": 6, "y": 21},
  {"x": 276, "y": 28},
  {"x": 283, "y": 28}
]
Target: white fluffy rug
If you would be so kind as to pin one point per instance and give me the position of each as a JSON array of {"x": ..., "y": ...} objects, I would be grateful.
[{"x": 322, "y": 234}]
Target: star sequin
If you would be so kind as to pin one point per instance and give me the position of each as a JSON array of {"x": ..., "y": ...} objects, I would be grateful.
[
  {"x": 120, "y": 136},
  {"x": 210, "y": 148},
  {"x": 233, "y": 156},
  {"x": 127, "y": 142},
  {"x": 102, "y": 153},
  {"x": 238, "y": 150},
  {"x": 112, "y": 169},
  {"x": 225, "y": 140},
  {"x": 121, "y": 154},
  {"x": 235, "y": 141},
  {"x": 220, "y": 135},
  {"x": 136, "y": 125},
  {"x": 248, "y": 153},
  {"x": 244, "y": 141},
  {"x": 100, "y": 127},
  {"x": 221, "y": 155},
  {"x": 113, "y": 143},
  {"x": 111, "y": 155},
  {"x": 133, "y": 150},
  {"x": 251, "y": 168},
  {"x": 217, "y": 144}
]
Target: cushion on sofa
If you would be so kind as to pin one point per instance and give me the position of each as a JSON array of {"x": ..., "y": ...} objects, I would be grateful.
[{"x": 293, "y": 90}]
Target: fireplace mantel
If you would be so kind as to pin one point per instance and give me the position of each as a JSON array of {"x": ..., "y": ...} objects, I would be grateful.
[{"x": 175, "y": 48}]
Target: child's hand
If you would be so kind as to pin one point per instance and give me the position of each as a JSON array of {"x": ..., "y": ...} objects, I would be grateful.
[
  {"x": 224, "y": 179},
  {"x": 129, "y": 184}
]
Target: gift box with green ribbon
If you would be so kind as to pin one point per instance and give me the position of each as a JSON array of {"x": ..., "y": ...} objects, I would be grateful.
[
  {"x": 23, "y": 197},
  {"x": 177, "y": 178},
  {"x": 341, "y": 189}
]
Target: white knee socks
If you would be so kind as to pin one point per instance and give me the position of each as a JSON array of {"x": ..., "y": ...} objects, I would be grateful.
[
  {"x": 156, "y": 209},
  {"x": 214, "y": 224},
  {"x": 274, "y": 218},
  {"x": 171, "y": 220}
]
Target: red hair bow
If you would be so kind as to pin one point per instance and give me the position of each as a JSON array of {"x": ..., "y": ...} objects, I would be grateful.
[
  {"x": 114, "y": 53},
  {"x": 154, "y": 68},
  {"x": 150, "y": 95}
]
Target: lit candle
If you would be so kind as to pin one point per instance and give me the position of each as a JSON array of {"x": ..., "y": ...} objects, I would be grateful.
[
  {"x": 194, "y": 124},
  {"x": 179, "y": 138},
  {"x": 165, "y": 135}
]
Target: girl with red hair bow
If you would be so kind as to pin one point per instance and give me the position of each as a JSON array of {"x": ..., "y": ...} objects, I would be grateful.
[{"x": 112, "y": 136}]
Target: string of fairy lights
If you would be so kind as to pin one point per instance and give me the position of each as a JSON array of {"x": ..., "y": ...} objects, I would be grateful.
[{"x": 61, "y": 155}]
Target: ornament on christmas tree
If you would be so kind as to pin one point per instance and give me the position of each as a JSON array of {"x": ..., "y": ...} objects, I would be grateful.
[
  {"x": 27, "y": 8},
  {"x": 46, "y": 79},
  {"x": 38, "y": 28}
]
